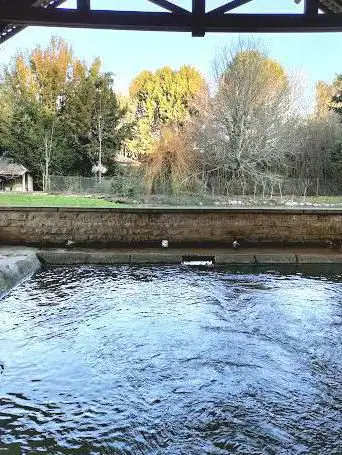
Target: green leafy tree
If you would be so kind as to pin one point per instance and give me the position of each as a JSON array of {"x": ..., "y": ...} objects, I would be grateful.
[
  {"x": 336, "y": 96},
  {"x": 58, "y": 115},
  {"x": 163, "y": 98},
  {"x": 37, "y": 84},
  {"x": 95, "y": 122}
]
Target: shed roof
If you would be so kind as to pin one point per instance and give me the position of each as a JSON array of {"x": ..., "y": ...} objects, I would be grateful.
[{"x": 10, "y": 169}]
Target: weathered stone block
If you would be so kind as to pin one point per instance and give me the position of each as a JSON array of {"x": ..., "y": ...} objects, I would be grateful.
[
  {"x": 276, "y": 258},
  {"x": 319, "y": 258},
  {"x": 235, "y": 258}
]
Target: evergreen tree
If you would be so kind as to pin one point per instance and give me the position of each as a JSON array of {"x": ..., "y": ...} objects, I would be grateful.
[{"x": 95, "y": 126}]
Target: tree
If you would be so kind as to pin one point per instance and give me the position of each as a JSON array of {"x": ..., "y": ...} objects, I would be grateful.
[
  {"x": 163, "y": 98},
  {"x": 315, "y": 164},
  {"x": 172, "y": 166},
  {"x": 95, "y": 121},
  {"x": 58, "y": 114},
  {"x": 324, "y": 94},
  {"x": 38, "y": 83},
  {"x": 24, "y": 138},
  {"x": 242, "y": 132}
]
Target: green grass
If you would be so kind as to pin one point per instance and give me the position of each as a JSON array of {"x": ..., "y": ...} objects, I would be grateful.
[
  {"x": 60, "y": 200},
  {"x": 49, "y": 200},
  {"x": 325, "y": 199}
]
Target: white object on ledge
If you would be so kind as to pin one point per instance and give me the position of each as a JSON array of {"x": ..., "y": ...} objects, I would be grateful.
[{"x": 236, "y": 244}]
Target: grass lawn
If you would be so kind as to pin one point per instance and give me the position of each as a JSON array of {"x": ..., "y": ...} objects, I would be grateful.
[
  {"x": 325, "y": 199},
  {"x": 60, "y": 200},
  {"x": 50, "y": 200}
]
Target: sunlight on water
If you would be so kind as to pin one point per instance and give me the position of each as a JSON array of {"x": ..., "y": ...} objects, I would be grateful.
[{"x": 172, "y": 360}]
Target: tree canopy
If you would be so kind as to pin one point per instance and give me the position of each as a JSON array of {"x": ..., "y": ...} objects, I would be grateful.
[
  {"x": 60, "y": 115},
  {"x": 163, "y": 98}
]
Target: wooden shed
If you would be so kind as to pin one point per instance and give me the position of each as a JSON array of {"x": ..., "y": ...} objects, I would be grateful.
[{"x": 14, "y": 177}]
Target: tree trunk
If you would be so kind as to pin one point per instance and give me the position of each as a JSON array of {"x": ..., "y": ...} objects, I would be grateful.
[{"x": 46, "y": 167}]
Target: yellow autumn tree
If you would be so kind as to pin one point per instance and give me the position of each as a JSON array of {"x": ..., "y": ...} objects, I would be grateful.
[
  {"x": 172, "y": 166},
  {"x": 159, "y": 99},
  {"x": 324, "y": 94},
  {"x": 43, "y": 78}
]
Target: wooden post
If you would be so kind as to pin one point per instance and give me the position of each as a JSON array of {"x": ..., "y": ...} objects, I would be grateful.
[
  {"x": 198, "y": 14},
  {"x": 83, "y": 5},
  {"x": 311, "y": 7}
]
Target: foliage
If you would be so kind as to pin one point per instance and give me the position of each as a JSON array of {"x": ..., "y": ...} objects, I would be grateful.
[
  {"x": 336, "y": 100},
  {"x": 58, "y": 113},
  {"x": 163, "y": 98},
  {"x": 242, "y": 131},
  {"x": 324, "y": 94},
  {"x": 61, "y": 116},
  {"x": 93, "y": 118},
  {"x": 172, "y": 165}
]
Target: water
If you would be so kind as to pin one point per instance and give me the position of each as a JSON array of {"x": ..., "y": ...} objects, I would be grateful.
[{"x": 172, "y": 360}]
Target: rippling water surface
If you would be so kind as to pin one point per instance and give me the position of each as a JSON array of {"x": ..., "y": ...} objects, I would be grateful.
[{"x": 170, "y": 360}]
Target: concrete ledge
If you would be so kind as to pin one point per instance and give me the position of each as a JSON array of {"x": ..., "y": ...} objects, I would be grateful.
[
  {"x": 70, "y": 257},
  {"x": 15, "y": 266},
  {"x": 281, "y": 258},
  {"x": 174, "y": 256},
  {"x": 16, "y": 263},
  {"x": 319, "y": 259},
  {"x": 231, "y": 258},
  {"x": 156, "y": 258}
]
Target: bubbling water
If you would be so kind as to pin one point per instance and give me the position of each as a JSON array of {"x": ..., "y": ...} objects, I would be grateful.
[{"x": 172, "y": 360}]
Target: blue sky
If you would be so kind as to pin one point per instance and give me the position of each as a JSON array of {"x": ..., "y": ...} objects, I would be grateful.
[{"x": 315, "y": 56}]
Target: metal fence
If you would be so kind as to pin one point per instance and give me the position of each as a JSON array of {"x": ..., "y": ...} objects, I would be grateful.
[
  {"x": 128, "y": 184},
  {"x": 131, "y": 185}
]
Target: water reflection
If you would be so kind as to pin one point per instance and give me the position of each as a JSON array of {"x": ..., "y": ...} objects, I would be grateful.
[{"x": 171, "y": 360}]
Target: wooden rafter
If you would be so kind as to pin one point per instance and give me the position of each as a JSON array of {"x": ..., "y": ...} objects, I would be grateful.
[
  {"x": 128, "y": 20},
  {"x": 169, "y": 6},
  {"x": 17, "y": 14},
  {"x": 228, "y": 6}
]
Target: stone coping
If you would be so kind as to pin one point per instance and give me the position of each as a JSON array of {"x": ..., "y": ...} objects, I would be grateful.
[
  {"x": 221, "y": 256},
  {"x": 18, "y": 263},
  {"x": 180, "y": 209}
]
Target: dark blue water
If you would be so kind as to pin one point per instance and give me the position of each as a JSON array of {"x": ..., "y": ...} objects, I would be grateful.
[{"x": 170, "y": 360}]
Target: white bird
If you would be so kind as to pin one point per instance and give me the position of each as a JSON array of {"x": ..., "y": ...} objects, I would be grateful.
[{"x": 236, "y": 244}]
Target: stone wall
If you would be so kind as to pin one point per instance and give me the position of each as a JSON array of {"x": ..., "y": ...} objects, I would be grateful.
[{"x": 54, "y": 226}]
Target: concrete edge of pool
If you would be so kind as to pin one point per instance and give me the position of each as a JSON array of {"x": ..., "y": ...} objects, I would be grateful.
[{"x": 17, "y": 263}]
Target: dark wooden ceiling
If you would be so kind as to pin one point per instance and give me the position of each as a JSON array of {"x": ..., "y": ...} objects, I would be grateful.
[{"x": 17, "y": 14}]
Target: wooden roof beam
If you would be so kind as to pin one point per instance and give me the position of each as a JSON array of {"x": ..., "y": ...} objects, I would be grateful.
[
  {"x": 169, "y": 6},
  {"x": 228, "y": 7},
  {"x": 164, "y": 21}
]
